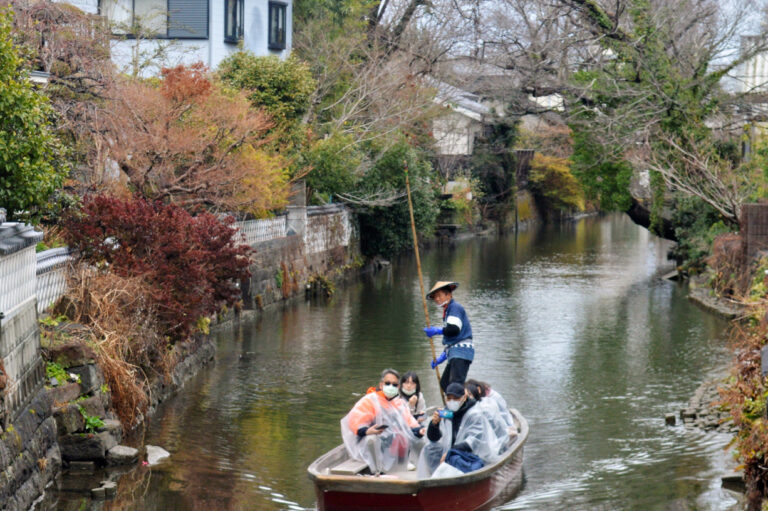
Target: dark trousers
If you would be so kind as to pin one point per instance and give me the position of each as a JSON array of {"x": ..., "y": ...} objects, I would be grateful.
[{"x": 456, "y": 371}]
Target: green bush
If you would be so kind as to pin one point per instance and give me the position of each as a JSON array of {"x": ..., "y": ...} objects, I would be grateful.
[
  {"x": 493, "y": 163},
  {"x": 30, "y": 154},
  {"x": 387, "y": 230},
  {"x": 698, "y": 224},
  {"x": 281, "y": 87},
  {"x": 553, "y": 184},
  {"x": 333, "y": 162},
  {"x": 605, "y": 180}
]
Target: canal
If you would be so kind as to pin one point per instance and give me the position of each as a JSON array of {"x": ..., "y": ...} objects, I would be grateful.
[{"x": 572, "y": 323}]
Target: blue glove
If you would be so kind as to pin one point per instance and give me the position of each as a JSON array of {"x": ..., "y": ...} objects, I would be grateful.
[
  {"x": 440, "y": 359},
  {"x": 432, "y": 331}
]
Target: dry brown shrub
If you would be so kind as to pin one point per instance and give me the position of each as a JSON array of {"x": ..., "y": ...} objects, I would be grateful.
[
  {"x": 731, "y": 278},
  {"x": 124, "y": 334},
  {"x": 191, "y": 141}
]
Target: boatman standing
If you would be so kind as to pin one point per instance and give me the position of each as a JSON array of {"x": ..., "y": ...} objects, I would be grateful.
[{"x": 456, "y": 332}]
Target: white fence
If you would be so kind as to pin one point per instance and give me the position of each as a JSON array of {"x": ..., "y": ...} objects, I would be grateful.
[
  {"x": 51, "y": 276},
  {"x": 326, "y": 227},
  {"x": 257, "y": 231}
]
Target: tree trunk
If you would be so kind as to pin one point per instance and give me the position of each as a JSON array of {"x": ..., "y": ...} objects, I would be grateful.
[{"x": 642, "y": 217}]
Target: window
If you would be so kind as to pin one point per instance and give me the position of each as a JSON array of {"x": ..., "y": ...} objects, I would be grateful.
[
  {"x": 277, "y": 25},
  {"x": 177, "y": 19},
  {"x": 151, "y": 16},
  {"x": 233, "y": 20}
]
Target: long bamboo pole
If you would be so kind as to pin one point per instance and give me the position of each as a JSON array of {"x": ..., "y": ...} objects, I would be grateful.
[{"x": 421, "y": 279}]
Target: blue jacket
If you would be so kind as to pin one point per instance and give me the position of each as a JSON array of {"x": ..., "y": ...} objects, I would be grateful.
[{"x": 456, "y": 345}]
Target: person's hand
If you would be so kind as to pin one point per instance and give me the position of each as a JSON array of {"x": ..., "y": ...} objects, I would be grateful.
[
  {"x": 435, "y": 418},
  {"x": 432, "y": 331},
  {"x": 440, "y": 359},
  {"x": 442, "y": 460},
  {"x": 374, "y": 430},
  {"x": 413, "y": 400},
  {"x": 423, "y": 431}
]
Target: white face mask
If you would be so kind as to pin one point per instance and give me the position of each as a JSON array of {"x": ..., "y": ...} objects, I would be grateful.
[
  {"x": 389, "y": 390},
  {"x": 408, "y": 392},
  {"x": 453, "y": 405}
]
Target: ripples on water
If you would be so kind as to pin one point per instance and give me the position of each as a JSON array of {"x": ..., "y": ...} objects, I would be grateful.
[{"x": 572, "y": 324}]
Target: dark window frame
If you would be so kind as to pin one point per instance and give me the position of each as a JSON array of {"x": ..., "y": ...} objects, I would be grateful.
[
  {"x": 168, "y": 17},
  {"x": 282, "y": 8},
  {"x": 237, "y": 36}
]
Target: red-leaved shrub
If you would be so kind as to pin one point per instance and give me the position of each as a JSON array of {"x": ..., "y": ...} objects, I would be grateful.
[{"x": 191, "y": 264}]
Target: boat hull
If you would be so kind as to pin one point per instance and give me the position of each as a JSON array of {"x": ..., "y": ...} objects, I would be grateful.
[{"x": 474, "y": 495}]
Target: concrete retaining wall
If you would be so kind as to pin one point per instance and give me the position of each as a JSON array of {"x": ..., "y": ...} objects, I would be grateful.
[{"x": 283, "y": 268}]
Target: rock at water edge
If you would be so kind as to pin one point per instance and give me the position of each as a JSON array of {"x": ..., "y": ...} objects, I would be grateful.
[
  {"x": 156, "y": 454},
  {"x": 122, "y": 455}
]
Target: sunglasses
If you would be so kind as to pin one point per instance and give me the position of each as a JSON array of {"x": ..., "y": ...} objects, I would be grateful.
[{"x": 395, "y": 384}]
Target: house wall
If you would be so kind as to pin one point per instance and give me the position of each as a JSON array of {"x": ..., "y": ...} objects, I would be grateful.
[
  {"x": 754, "y": 74},
  {"x": 455, "y": 134},
  {"x": 210, "y": 51},
  {"x": 89, "y": 6}
]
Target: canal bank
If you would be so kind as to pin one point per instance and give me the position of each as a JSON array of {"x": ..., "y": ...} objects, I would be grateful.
[{"x": 574, "y": 326}]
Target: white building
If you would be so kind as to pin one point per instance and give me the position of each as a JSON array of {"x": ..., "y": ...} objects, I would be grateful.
[
  {"x": 456, "y": 130},
  {"x": 155, "y": 33},
  {"x": 752, "y": 76}
]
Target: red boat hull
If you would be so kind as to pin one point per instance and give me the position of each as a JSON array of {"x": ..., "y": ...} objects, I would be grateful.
[{"x": 476, "y": 495}]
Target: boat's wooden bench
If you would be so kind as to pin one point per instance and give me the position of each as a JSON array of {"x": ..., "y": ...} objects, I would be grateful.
[{"x": 349, "y": 468}]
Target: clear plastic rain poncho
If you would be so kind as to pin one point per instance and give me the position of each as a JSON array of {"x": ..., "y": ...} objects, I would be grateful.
[
  {"x": 501, "y": 404},
  {"x": 475, "y": 430},
  {"x": 499, "y": 425},
  {"x": 388, "y": 451}
]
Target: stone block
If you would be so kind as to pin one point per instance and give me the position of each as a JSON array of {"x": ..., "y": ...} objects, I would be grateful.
[
  {"x": 114, "y": 427},
  {"x": 95, "y": 406},
  {"x": 688, "y": 414},
  {"x": 107, "y": 440},
  {"x": 71, "y": 354},
  {"x": 734, "y": 482},
  {"x": 91, "y": 377},
  {"x": 110, "y": 488},
  {"x": 82, "y": 447},
  {"x": 98, "y": 493},
  {"x": 122, "y": 455},
  {"x": 68, "y": 419},
  {"x": 41, "y": 406},
  {"x": 65, "y": 393}
]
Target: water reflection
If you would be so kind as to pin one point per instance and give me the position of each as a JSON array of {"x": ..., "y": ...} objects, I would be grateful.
[{"x": 572, "y": 324}]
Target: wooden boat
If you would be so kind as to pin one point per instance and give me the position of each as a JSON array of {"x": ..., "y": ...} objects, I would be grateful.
[{"x": 340, "y": 483}]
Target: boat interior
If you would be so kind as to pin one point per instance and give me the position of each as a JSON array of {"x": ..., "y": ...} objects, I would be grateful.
[{"x": 340, "y": 464}]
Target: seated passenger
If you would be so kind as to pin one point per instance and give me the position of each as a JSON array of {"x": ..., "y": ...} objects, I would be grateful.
[
  {"x": 489, "y": 408},
  {"x": 380, "y": 429},
  {"x": 410, "y": 392},
  {"x": 467, "y": 430},
  {"x": 494, "y": 397}
]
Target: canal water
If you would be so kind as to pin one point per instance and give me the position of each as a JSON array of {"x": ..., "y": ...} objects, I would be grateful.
[{"x": 572, "y": 323}]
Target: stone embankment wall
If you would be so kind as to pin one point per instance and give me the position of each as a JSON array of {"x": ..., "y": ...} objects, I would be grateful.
[
  {"x": 29, "y": 453},
  {"x": 39, "y": 427},
  {"x": 704, "y": 411}
]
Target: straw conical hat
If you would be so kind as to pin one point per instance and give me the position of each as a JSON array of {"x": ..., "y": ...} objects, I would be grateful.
[{"x": 440, "y": 284}]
